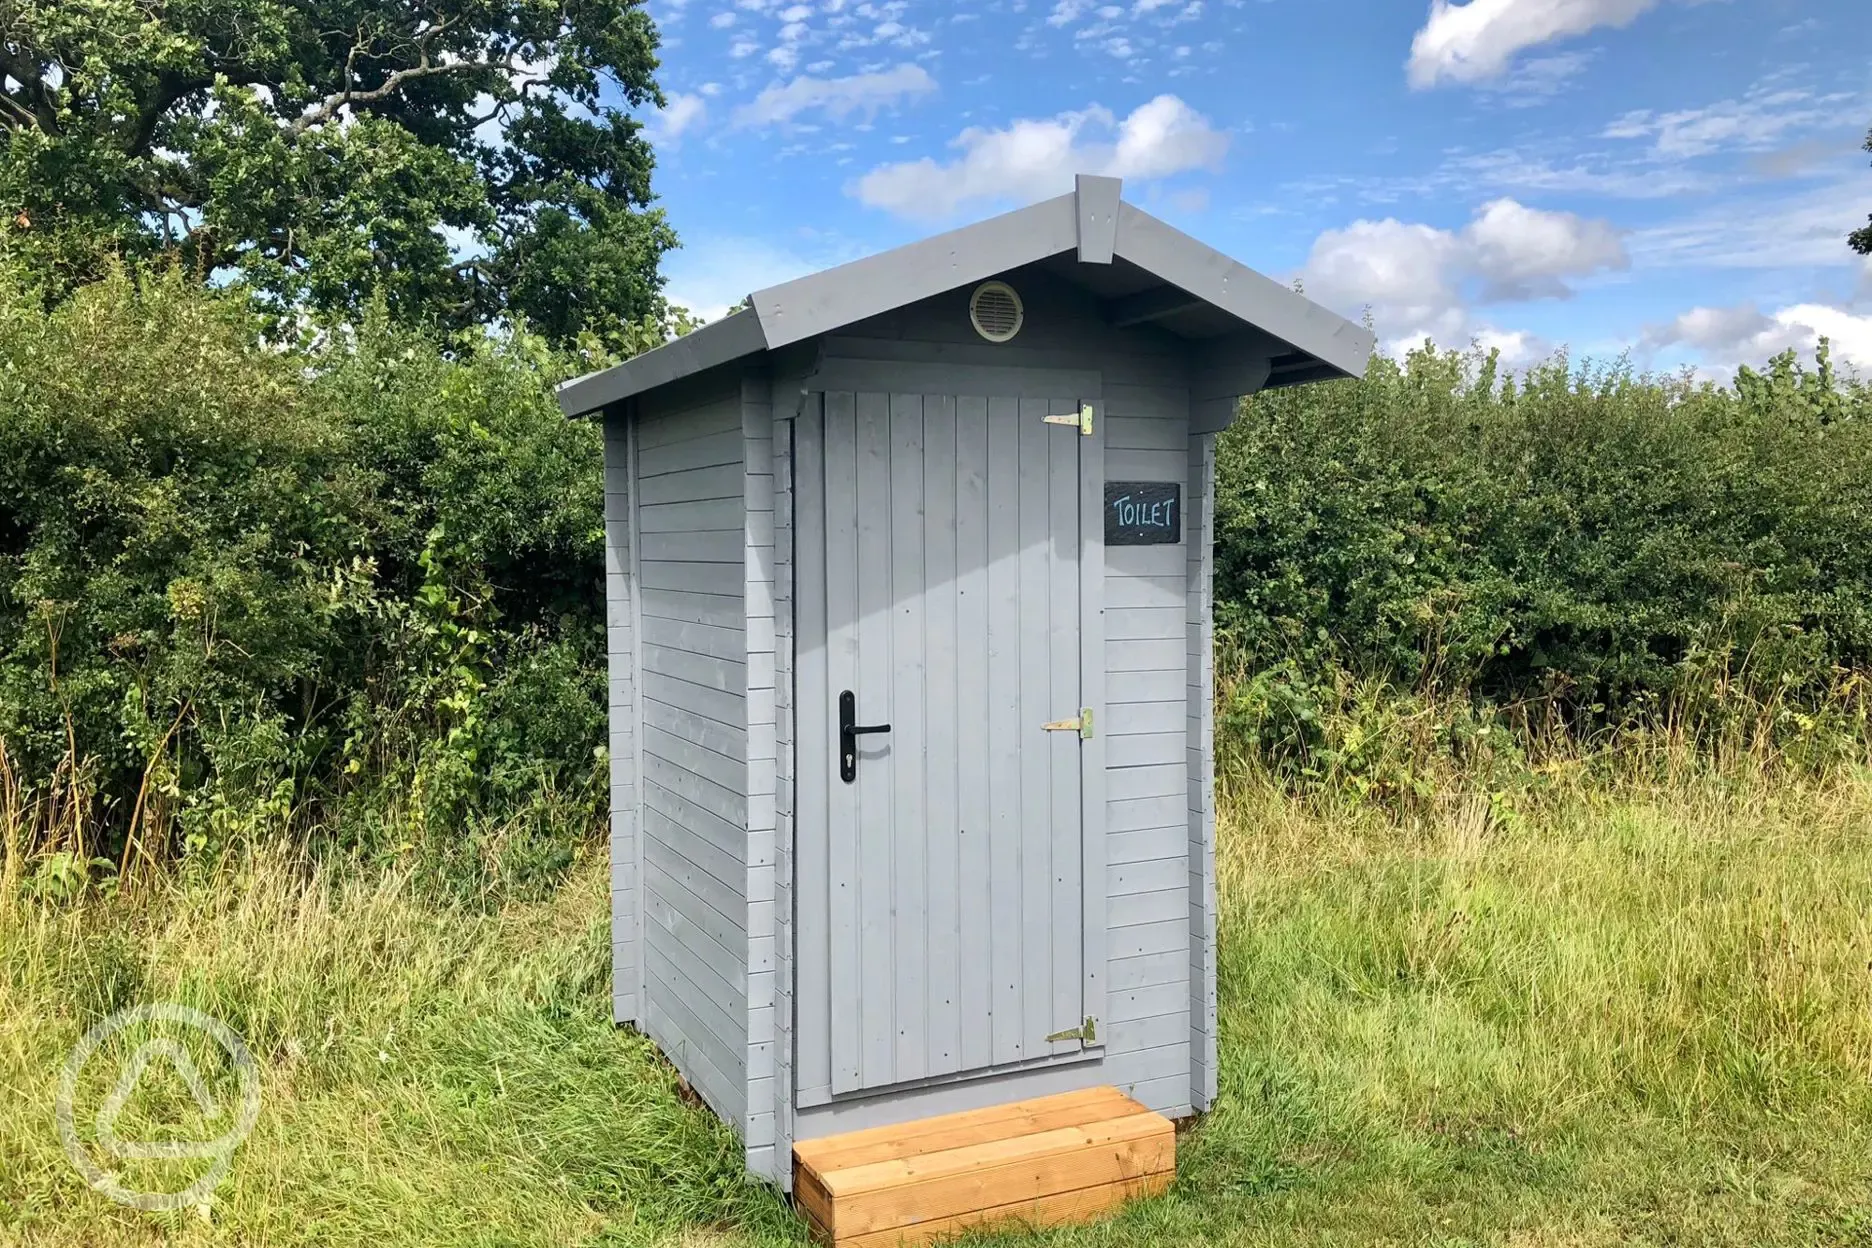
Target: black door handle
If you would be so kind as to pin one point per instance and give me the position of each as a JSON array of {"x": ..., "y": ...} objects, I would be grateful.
[{"x": 849, "y": 732}]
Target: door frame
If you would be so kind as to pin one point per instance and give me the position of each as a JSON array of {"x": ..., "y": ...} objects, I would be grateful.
[{"x": 815, "y": 717}]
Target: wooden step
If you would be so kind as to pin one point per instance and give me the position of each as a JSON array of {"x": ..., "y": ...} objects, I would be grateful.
[{"x": 1066, "y": 1158}]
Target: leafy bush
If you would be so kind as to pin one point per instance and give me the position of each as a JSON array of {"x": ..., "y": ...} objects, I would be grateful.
[{"x": 349, "y": 584}]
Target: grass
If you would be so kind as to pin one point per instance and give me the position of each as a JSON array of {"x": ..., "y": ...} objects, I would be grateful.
[{"x": 1617, "y": 1014}]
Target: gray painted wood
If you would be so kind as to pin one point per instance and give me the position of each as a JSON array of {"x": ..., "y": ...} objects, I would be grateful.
[
  {"x": 777, "y": 1161},
  {"x": 1149, "y": 830},
  {"x": 860, "y": 375},
  {"x": 851, "y": 292},
  {"x": 906, "y": 711},
  {"x": 691, "y": 670},
  {"x": 1096, "y": 200},
  {"x": 623, "y": 710},
  {"x": 813, "y": 960},
  {"x": 742, "y": 870},
  {"x": 761, "y": 775},
  {"x": 930, "y": 333},
  {"x": 716, "y": 343},
  {"x": 1005, "y": 814},
  {"x": 1093, "y": 758},
  {"x": 941, "y": 484},
  {"x": 1032, "y": 752},
  {"x": 976, "y": 971},
  {"x": 954, "y": 526},
  {"x": 1200, "y": 745},
  {"x": 1092, "y": 223},
  {"x": 1256, "y": 299},
  {"x": 840, "y": 565}
]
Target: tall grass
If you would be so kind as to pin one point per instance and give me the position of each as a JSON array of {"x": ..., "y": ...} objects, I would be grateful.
[
  {"x": 1640, "y": 1014},
  {"x": 1610, "y": 1007},
  {"x": 431, "y": 1074}
]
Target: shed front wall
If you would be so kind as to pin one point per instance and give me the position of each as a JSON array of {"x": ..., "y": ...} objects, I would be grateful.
[{"x": 1153, "y": 725}]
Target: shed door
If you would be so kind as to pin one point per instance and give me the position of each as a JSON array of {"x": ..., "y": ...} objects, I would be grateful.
[{"x": 957, "y": 924}]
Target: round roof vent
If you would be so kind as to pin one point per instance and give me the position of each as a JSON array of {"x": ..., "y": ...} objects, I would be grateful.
[{"x": 995, "y": 311}]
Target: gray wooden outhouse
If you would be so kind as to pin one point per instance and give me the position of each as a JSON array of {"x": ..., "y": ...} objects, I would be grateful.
[{"x": 964, "y": 489}]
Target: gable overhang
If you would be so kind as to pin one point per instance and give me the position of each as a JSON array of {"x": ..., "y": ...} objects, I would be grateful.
[{"x": 1299, "y": 340}]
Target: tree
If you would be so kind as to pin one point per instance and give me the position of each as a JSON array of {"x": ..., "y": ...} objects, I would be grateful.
[
  {"x": 455, "y": 156},
  {"x": 1860, "y": 240}
]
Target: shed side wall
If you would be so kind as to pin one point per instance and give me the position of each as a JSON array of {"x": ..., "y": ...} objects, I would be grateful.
[{"x": 691, "y": 526}]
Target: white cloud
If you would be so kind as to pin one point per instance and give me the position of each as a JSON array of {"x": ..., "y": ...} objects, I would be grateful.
[
  {"x": 1524, "y": 253},
  {"x": 743, "y": 48},
  {"x": 1756, "y": 122},
  {"x": 1539, "y": 79},
  {"x": 1419, "y": 280},
  {"x": 1165, "y": 136},
  {"x": 1477, "y": 41},
  {"x": 1033, "y": 158},
  {"x": 838, "y": 98},
  {"x": 1760, "y": 231},
  {"x": 683, "y": 112},
  {"x": 723, "y": 20},
  {"x": 1407, "y": 273},
  {"x": 1518, "y": 349},
  {"x": 1742, "y": 334},
  {"x": 785, "y": 56}
]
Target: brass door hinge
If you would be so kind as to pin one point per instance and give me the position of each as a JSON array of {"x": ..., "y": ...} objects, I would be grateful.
[
  {"x": 1085, "y": 1033},
  {"x": 1081, "y": 725},
  {"x": 1083, "y": 420}
]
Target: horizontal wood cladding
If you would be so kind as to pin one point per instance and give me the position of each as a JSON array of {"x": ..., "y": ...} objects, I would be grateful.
[
  {"x": 1044, "y": 1161},
  {"x": 691, "y": 708}
]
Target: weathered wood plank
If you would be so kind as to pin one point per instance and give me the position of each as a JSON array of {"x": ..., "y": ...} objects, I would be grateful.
[{"x": 1049, "y": 1159}]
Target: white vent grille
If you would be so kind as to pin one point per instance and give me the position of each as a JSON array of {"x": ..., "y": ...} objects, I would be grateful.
[{"x": 995, "y": 311}]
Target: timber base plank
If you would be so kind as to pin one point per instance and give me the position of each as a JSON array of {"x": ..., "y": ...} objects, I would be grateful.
[{"x": 1044, "y": 1162}]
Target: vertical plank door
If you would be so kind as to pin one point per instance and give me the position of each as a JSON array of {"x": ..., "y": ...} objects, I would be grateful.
[{"x": 956, "y": 890}]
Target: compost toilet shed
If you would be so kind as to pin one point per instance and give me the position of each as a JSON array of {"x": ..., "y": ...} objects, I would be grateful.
[{"x": 963, "y": 488}]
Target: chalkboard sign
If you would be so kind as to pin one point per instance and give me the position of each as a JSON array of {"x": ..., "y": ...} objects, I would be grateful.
[{"x": 1143, "y": 513}]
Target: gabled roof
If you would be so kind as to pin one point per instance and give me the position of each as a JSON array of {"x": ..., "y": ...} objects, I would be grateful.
[{"x": 1145, "y": 270}]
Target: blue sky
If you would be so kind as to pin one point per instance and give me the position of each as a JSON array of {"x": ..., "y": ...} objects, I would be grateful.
[{"x": 1670, "y": 177}]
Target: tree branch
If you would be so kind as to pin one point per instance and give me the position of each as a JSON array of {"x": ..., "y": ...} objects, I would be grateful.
[
  {"x": 329, "y": 106},
  {"x": 170, "y": 87},
  {"x": 31, "y": 78},
  {"x": 15, "y": 114}
]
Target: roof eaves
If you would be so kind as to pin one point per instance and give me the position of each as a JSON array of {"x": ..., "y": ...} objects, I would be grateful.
[
  {"x": 824, "y": 302},
  {"x": 1240, "y": 291},
  {"x": 736, "y": 335}
]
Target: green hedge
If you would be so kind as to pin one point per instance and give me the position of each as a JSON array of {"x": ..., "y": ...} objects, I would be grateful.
[
  {"x": 350, "y": 583},
  {"x": 1587, "y": 536},
  {"x": 351, "y": 586}
]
